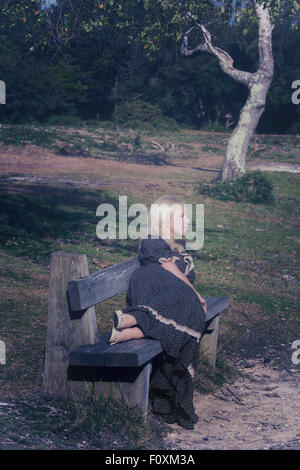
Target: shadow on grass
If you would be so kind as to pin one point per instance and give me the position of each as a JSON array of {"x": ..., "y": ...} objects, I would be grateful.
[
  {"x": 156, "y": 159},
  {"x": 37, "y": 220}
]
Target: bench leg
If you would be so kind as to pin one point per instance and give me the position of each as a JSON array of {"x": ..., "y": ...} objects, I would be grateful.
[
  {"x": 65, "y": 331},
  {"x": 208, "y": 343},
  {"x": 134, "y": 393}
]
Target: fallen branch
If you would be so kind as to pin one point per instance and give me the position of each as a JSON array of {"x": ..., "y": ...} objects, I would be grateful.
[
  {"x": 234, "y": 395},
  {"x": 256, "y": 147},
  {"x": 158, "y": 145}
]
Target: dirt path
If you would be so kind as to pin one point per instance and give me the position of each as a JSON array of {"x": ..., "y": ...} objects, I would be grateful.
[
  {"x": 258, "y": 411},
  {"x": 273, "y": 166}
]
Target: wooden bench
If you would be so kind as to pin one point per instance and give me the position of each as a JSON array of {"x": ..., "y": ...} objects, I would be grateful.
[{"x": 77, "y": 360}]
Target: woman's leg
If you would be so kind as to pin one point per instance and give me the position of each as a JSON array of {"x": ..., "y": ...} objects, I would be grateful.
[
  {"x": 130, "y": 333},
  {"x": 124, "y": 328}
]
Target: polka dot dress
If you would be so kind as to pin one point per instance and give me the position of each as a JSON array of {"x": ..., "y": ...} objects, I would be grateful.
[{"x": 168, "y": 310}]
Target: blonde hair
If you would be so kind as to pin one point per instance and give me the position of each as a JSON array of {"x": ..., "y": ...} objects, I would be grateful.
[{"x": 154, "y": 216}]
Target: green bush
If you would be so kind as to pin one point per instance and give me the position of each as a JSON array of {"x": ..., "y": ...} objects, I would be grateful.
[
  {"x": 252, "y": 187},
  {"x": 65, "y": 120},
  {"x": 215, "y": 127},
  {"x": 21, "y": 135},
  {"x": 140, "y": 114}
]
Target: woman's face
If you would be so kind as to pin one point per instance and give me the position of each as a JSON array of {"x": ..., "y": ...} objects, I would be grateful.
[{"x": 180, "y": 222}]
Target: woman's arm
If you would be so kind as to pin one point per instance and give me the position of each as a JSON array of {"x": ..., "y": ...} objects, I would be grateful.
[{"x": 173, "y": 268}]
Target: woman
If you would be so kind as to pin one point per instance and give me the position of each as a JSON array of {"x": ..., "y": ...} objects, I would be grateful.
[{"x": 163, "y": 304}]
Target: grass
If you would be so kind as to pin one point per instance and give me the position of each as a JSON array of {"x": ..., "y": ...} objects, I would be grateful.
[
  {"x": 207, "y": 148},
  {"x": 99, "y": 423},
  {"x": 101, "y": 139},
  {"x": 275, "y": 148},
  {"x": 250, "y": 254},
  {"x": 85, "y": 142},
  {"x": 207, "y": 380}
]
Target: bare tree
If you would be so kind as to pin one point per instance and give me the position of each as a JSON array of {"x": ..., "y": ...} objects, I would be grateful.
[{"x": 258, "y": 84}]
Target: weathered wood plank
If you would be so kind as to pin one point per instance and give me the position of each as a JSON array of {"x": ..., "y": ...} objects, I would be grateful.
[
  {"x": 132, "y": 353},
  {"x": 64, "y": 330},
  {"x": 135, "y": 352},
  {"x": 101, "y": 285},
  {"x": 215, "y": 305},
  {"x": 208, "y": 343},
  {"x": 134, "y": 393}
]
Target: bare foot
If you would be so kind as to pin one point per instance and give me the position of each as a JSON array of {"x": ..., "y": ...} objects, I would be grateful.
[{"x": 128, "y": 320}]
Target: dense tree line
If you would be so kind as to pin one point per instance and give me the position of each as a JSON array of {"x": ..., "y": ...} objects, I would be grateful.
[{"x": 100, "y": 73}]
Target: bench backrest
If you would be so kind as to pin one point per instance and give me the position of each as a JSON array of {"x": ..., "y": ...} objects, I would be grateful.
[{"x": 102, "y": 285}]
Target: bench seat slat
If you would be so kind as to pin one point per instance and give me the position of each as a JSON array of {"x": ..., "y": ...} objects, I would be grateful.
[
  {"x": 133, "y": 353},
  {"x": 215, "y": 305}
]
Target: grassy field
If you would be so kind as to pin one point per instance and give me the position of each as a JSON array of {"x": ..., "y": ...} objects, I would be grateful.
[{"x": 53, "y": 179}]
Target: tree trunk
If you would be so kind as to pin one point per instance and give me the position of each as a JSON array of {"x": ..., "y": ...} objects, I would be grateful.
[
  {"x": 238, "y": 143},
  {"x": 258, "y": 84}
]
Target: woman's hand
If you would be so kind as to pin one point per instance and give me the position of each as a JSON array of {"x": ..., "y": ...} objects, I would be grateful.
[{"x": 202, "y": 301}]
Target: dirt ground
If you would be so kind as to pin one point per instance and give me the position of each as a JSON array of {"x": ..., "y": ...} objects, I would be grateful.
[
  {"x": 42, "y": 165},
  {"x": 39, "y": 165},
  {"x": 260, "y": 410}
]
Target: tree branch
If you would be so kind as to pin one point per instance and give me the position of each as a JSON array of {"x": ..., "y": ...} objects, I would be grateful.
[
  {"x": 184, "y": 48},
  {"x": 225, "y": 60}
]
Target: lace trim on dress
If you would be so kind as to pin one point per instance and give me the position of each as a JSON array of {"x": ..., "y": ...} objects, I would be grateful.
[
  {"x": 170, "y": 321},
  {"x": 191, "y": 370}
]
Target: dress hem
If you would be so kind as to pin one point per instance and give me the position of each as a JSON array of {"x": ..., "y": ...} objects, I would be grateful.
[{"x": 170, "y": 321}]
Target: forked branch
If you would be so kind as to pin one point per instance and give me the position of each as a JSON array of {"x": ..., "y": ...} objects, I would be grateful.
[{"x": 225, "y": 60}]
